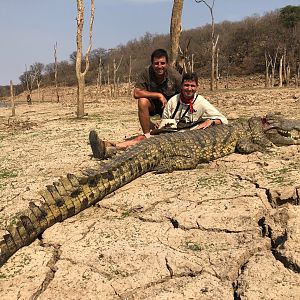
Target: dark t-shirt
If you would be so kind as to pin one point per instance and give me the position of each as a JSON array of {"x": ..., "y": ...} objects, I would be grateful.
[{"x": 169, "y": 87}]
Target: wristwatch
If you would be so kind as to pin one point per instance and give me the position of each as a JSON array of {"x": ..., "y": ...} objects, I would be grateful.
[{"x": 213, "y": 122}]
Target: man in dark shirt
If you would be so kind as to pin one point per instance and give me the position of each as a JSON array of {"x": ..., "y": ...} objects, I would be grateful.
[{"x": 154, "y": 87}]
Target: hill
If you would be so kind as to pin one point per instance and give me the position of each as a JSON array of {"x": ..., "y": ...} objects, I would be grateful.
[{"x": 246, "y": 47}]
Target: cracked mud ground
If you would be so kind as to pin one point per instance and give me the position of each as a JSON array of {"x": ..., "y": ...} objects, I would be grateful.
[{"x": 229, "y": 229}]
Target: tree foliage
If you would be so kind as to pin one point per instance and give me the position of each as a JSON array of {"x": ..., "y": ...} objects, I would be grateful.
[{"x": 290, "y": 16}]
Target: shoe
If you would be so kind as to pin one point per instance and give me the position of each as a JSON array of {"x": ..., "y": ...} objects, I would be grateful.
[{"x": 97, "y": 145}]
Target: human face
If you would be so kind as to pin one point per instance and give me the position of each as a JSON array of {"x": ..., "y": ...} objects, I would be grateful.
[
  {"x": 189, "y": 88},
  {"x": 159, "y": 65}
]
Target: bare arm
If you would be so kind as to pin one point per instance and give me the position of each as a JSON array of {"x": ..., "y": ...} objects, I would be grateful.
[
  {"x": 140, "y": 93},
  {"x": 208, "y": 123}
]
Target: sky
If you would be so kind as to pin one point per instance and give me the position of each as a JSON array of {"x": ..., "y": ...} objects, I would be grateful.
[{"x": 30, "y": 28}]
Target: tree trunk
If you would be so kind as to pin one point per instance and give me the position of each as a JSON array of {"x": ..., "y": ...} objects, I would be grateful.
[
  {"x": 288, "y": 75},
  {"x": 55, "y": 72},
  {"x": 217, "y": 68},
  {"x": 115, "y": 70},
  {"x": 114, "y": 78},
  {"x": 175, "y": 30},
  {"x": 99, "y": 77},
  {"x": 297, "y": 75},
  {"x": 13, "y": 109},
  {"x": 38, "y": 83},
  {"x": 214, "y": 41},
  {"x": 280, "y": 71},
  {"x": 129, "y": 76},
  {"x": 273, "y": 76},
  {"x": 81, "y": 75},
  {"x": 273, "y": 61},
  {"x": 28, "y": 86},
  {"x": 80, "y": 96},
  {"x": 192, "y": 63},
  {"x": 284, "y": 66},
  {"x": 80, "y": 78},
  {"x": 213, "y": 54},
  {"x": 212, "y": 71},
  {"x": 108, "y": 81},
  {"x": 267, "y": 71}
]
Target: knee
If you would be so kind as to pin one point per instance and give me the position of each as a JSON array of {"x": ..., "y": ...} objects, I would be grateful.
[{"x": 144, "y": 104}]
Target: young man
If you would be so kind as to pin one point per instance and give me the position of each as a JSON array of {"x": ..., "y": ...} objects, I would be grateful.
[
  {"x": 187, "y": 107},
  {"x": 154, "y": 87}
]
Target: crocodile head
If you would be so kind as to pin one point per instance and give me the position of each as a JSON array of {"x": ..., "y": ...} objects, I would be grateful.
[{"x": 281, "y": 131}]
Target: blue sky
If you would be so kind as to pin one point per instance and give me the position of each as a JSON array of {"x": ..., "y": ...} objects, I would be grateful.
[{"x": 30, "y": 28}]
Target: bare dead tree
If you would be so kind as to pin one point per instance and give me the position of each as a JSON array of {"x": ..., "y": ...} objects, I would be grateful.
[
  {"x": 284, "y": 66},
  {"x": 182, "y": 60},
  {"x": 116, "y": 67},
  {"x": 55, "y": 72},
  {"x": 189, "y": 64},
  {"x": 271, "y": 62},
  {"x": 217, "y": 68},
  {"x": 38, "y": 83},
  {"x": 79, "y": 73},
  {"x": 288, "y": 74},
  {"x": 267, "y": 65},
  {"x": 175, "y": 30},
  {"x": 99, "y": 76},
  {"x": 12, "y": 98},
  {"x": 273, "y": 65},
  {"x": 214, "y": 41},
  {"x": 192, "y": 62},
  {"x": 180, "y": 63},
  {"x": 297, "y": 74},
  {"x": 29, "y": 78},
  {"x": 108, "y": 81},
  {"x": 36, "y": 71},
  {"x": 280, "y": 71},
  {"x": 266, "y": 70},
  {"x": 129, "y": 75}
]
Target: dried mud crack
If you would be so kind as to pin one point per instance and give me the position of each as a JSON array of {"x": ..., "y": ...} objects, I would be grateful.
[
  {"x": 56, "y": 253},
  {"x": 226, "y": 230}
]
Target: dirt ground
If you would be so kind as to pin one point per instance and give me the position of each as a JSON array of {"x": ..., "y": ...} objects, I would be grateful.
[{"x": 229, "y": 229}]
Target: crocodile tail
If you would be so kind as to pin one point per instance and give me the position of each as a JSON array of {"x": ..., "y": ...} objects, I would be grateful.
[{"x": 73, "y": 193}]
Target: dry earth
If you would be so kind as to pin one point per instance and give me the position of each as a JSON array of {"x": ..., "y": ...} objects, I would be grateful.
[{"x": 229, "y": 229}]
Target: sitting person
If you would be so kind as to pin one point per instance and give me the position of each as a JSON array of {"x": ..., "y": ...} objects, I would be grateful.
[
  {"x": 190, "y": 107},
  {"x": 187, "y": 107},
  {"x": 154, "y": 87}
]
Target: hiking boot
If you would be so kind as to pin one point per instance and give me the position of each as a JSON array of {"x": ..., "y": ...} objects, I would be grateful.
[{"x": 97, "y": 145}]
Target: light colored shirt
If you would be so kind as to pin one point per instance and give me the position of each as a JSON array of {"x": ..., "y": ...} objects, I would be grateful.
[{"x": 201, "y": 109}]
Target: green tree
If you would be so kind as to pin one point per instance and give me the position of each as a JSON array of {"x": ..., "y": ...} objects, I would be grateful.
[{"x": 290, "y": 16}]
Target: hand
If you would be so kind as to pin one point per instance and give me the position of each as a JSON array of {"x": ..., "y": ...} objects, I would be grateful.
[
  {"x": 157, "y": 123},
  {"x": 205, "y": 124},
  {"x": 163, "y": 100},
  {"x": 154, "y": 124}
]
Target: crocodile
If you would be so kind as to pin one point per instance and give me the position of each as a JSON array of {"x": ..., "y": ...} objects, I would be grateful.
[{"x": 180, "y": 150}]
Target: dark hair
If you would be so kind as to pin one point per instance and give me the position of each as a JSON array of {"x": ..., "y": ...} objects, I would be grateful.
[
  {"x": 190, "y": 77},
  {"x": 158, "y": 53}
]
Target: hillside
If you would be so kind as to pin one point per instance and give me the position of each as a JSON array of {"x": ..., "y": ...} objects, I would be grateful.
[{"x": 246, "y": 47}]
